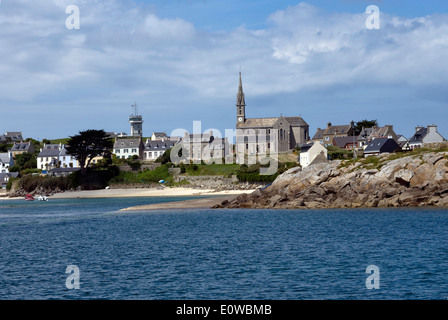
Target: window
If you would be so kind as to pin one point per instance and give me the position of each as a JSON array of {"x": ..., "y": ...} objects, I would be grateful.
[
  {"x": 126, "y": 150},
  {"x": 134, "y": 151},
  {"x": 327, "y": 138}
]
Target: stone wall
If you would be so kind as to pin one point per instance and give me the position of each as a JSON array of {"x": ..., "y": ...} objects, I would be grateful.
[{"x": 206, "y": 181}]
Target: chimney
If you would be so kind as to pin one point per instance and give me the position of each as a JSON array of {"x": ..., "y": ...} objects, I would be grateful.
[
  {"x": 417, "y": 128},
  {"x": 328, "y": 124},
  {"x": 432, "y": 128}
]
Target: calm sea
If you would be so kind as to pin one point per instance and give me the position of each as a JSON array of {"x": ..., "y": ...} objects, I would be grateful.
[{"x": 219, "y": 254}]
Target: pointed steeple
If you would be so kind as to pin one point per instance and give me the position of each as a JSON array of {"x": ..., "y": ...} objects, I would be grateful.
[
  {"x": 240, "y": 104},
  {"x": 240, "y": 101}
]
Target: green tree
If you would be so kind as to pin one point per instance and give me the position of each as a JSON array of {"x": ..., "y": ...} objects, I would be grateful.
[
  {"x": 25, "y": 160},
  {"x": 87, "y": 145},
  {"x": 365, "y": 124}
]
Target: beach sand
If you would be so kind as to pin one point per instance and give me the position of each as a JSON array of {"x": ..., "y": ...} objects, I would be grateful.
[
  {"x": 202, "y": 203},
  {"x": 212, "y": 197},
  {"x": 144, "y": 192}
]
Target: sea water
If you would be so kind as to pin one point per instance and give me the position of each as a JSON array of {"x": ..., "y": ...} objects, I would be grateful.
[{"x": 219, "y": 253}]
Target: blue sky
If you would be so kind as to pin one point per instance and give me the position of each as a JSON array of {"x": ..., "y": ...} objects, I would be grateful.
[{"x": 179, "y": 60}]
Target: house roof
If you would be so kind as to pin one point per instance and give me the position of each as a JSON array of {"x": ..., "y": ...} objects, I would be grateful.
[
  {"x": 319, "y": 135},
  {"x": 14, "y": 135},
  {"x": 331, "y": 130},
  {"x": 157, "y": 145},
  {"x": 419, "y": 135},
  {"x": 5, "y": 157},
  {"x": 364, "y": 134},
  {"x": 50, "y": 150},
  {"x": 160, "y": 135},
  {"x": 9, "y": 174},
  {"x": 377, "y": 144},
  {"x": 341, "y": 142},
  {"x": 21, "y": 146},
  {"x": 306, "y": 147},
  {"x": 127, "y": 143}
]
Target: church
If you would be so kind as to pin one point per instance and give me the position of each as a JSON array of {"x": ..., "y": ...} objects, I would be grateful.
[{"x": 286, "y": 132}]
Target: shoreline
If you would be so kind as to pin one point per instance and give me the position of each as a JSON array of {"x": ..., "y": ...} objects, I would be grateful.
[{"x": 139, "y": 192}]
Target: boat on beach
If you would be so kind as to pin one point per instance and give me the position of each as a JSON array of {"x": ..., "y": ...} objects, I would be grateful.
[
  {"x": 29, "y": 197},
  {"x": 42, "y": 198}
]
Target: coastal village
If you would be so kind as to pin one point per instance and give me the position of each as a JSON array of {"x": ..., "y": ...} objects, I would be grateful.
[{"x": 282, "y": 135}]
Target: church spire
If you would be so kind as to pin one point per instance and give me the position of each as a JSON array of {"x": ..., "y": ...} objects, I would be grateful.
[
  {"x": 240, "y": 104},
  {"x": 240, "y": 101}
]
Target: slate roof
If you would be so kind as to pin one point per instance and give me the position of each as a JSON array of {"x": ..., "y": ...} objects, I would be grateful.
[
  {"x": 50, "y": 150},
  {"x": 364, "y": 134},
  {"x": 319, "y": 135},
  {"x": 10, "y": 175},
  {"x": 419, "y": 135},
  {"x": 296, "y": 121},
  {"x": 157, "y": 145},
  {"x": 127, "y": 143},
  {"x": 21, "y": 146},
  {"x": 341, "y": 142},
  {"x": 160, "y": 135},
  {"x": 258, "y": 123},
  {"x": 14, "y": 135},
  {"x": 5, "y": 157},
  {"x": 306, "y": 147},
  {"x": 331, "y": 130},
  {"x": 269, "y": 122},
  {"x": 376, "y": 145}
]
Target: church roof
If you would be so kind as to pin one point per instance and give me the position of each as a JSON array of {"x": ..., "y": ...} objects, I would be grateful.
[
  {"x": 296, "y": 121},
  {"x": 258, "y": 123},
  {"x": 269, "y": 122}
]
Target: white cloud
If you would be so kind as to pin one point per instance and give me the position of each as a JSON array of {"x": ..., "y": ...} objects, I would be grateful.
[{"x": 127, "y": 52}]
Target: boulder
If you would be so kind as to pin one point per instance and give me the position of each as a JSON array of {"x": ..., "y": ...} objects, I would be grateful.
[{"x": 403, "y": 177}]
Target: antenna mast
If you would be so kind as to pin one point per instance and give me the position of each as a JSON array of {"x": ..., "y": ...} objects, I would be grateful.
[{"x": 135, "y": 108}]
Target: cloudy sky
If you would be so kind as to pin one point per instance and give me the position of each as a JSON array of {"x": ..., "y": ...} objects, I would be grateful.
[{"x": 179, "y": 60}]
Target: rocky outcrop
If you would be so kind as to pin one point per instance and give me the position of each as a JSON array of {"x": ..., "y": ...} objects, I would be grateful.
[{"x": 419, "y": 180}]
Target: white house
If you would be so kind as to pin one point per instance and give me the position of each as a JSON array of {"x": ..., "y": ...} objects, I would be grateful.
[
  {"x": 55, "y": 155},
  {"x": 48, "y": 156},
  {"x": 126, "y": 148},
  {"x": 156, "y": 148},
  {"x": 66, "y": 160},
  {"x": 6, "y": 161},
  {"x": 425, "y": 135},
  {"x": 313, "y": 153}
]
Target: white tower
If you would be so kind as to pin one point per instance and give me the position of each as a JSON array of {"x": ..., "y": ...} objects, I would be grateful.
[{"x": 136, "y": 122}]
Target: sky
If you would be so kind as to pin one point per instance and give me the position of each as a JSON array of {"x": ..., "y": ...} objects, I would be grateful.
[{"x": 179, "y": 61}]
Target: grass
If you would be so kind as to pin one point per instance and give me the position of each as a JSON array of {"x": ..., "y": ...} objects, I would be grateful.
[
  {"x": 376, "y": 162},
  {"x": 214, "y": 170}
]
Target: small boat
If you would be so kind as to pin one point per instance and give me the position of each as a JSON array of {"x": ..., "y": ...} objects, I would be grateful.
[
  {"x": 29, "y": 197},
  {"x": 42, "y": 198}
]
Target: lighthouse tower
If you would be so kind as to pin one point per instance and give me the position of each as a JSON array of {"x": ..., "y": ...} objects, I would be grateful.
[{"x": 136, "y": 122}]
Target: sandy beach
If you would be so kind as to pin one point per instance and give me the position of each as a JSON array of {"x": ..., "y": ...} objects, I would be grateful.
[
  {"x": 141, "y": 192},
  {"x": 215, "y": 197}
]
